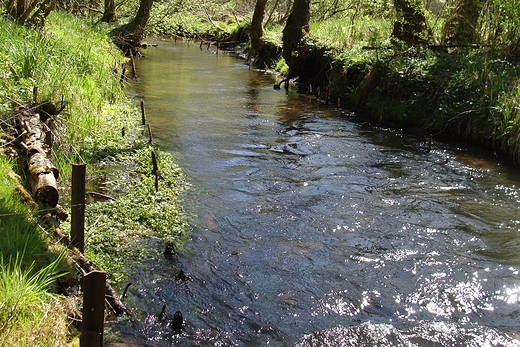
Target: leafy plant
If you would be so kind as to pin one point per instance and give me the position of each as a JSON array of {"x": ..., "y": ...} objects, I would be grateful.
[{"x": 119, "y": 230}]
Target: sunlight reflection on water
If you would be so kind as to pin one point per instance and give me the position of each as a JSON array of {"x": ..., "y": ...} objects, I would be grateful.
[{"x": 316, "y": 229}]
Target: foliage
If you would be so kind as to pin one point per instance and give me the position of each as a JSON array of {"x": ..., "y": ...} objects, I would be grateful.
[
  {"x": 453, "y": 94},
  {"x": 73, "y": 60},
  {"x": 69, "y": 60},
  {"x": 29, "y": 314},
  {"x": 119, "y": 230}
]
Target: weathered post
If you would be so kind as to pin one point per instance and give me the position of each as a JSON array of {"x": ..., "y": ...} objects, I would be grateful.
[
  {"x": 132, "y": 61},
  {"x": 155, "y": 171},
  {"x": 77, "y": 219},
  {"x": 93, "y": 309},
  {"x": 143, "y": 113},
  {"x": 150, "y": 133}
]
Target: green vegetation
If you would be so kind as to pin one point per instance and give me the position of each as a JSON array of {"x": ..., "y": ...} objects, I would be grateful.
[
  {"x": 120, "y": 230},
  {"x": 30, "y": 314},
  {"x": 433, "y": 72},
  {"x": 453, "y": 80},
  {"x": 468, "y": 90},
  {"x": 72, "y": 60}
]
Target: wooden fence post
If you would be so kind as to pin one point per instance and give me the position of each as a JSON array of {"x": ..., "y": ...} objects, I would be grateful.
[
  {"x": 150, "y": 133},
  {"x": 155, "y": 171},
  {"x": 143, "y": 113},
  {"x": 77, "y": 218},
  {"x": 93, "y": 309}
]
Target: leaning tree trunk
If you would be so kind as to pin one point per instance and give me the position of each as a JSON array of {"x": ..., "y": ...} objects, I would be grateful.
[
  {"x": 410, "y": 26},
  {"x": 128, "y": 37},
  {"x": 295, "y": 28}
]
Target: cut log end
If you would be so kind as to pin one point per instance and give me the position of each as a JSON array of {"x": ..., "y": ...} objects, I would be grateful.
[{"x": 47, "y": 194}]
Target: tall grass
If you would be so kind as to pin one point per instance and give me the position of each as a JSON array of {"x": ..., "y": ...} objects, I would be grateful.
[
  {"x": 29, "y": 314},
  {"x": 68, "y": 60},
  {"x": 345, "y": 33}
]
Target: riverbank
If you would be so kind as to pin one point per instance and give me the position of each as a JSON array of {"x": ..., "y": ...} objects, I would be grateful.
[
  {"x": 449, "y": 93},
  {"x": 468, "y": 92},
  {"x": 72, "y": 63}
]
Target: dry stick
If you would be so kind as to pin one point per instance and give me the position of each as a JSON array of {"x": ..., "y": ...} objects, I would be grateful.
[
  {"x": 143, "y": 113},
  {"x": 100, "y": 195},
  {"x": 132, "y": 61},
  {"x": 126, "y": 289}
]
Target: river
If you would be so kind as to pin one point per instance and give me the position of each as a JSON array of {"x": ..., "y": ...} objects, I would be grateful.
[{"x": 313, "y": 227}]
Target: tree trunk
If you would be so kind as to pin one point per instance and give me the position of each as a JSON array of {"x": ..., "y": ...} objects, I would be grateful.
[
  {"x": 461, "y": 27},
  {"x": 128, "y": 37},
  {"x": 257, "y": 29},
  {"x": 295, "y": 28},
  {"x": 410, "y": 26},
  {"x": 110, "y": 11},
  {"x": 266, "y": 52}
]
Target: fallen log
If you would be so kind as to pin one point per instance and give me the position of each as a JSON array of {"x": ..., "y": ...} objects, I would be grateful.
[{"x": 37, "y": 144}]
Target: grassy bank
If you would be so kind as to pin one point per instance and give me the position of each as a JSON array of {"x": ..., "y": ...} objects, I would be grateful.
[
  {"x": 31, "y": 314},
  {"x": 464, "y": 94},
  {"x": 74, "y": 61}
]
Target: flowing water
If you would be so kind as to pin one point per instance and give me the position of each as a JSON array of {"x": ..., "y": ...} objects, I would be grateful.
[{"x": 314, "y": 228}]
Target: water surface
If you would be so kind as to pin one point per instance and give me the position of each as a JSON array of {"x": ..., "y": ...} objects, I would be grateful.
[{"x": 313, "y": 227}]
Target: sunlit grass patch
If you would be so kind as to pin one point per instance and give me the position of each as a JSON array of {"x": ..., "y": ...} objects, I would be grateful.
[
  {"x": 343, "y": 33},
  {"x": 30, "y": 315}
]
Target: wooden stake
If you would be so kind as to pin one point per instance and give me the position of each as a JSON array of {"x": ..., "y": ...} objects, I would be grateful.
[
  {"x": 150, "y": 133},
  {"x": 143, "y": 112},
  {"x": 93, "y": 309},
  {"x": 122, "y": 75},
  {"x": 155, "y": 171},
  {"x": 77, "y": 229},
  {"x": 132, "y": 61}
]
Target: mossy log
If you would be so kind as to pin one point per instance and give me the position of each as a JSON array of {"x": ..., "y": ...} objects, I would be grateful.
[{"x": 36, "y": 141}]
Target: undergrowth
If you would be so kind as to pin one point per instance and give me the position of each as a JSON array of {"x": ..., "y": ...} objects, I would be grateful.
[
  {"x": 141, "y": 222},
  {"x": 72, "y": 61}
]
